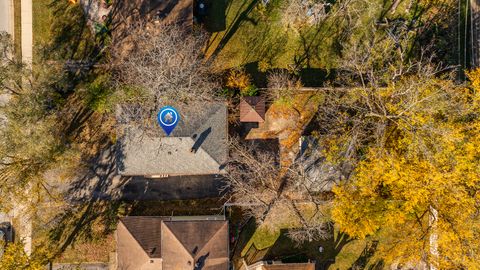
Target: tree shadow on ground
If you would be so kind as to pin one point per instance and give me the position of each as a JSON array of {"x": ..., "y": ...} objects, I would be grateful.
[
  {"x": 237, "y": 21},
  {"x": 267, "y": 44},
  {"x": 310, "y": 77},
  {"x": 86, "y": 212},
  {"x": 71, "y": 38},
  {"x": 320, "y": 45},
  {"x": 367, "y": 254},
  {"x": 71, "y": 55}
]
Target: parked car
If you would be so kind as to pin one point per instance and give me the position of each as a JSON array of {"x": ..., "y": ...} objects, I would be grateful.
[{"x": 5, "y": 236}]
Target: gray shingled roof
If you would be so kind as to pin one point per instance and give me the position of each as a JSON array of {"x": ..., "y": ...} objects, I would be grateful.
[{"x": 156, "y": 154}]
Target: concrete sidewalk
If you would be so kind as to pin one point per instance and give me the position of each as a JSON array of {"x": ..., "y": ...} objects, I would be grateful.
[
  {"x": 27, "y": 31},
  {"x": 21, "y": 211},
  {"x": 6, "y": 16}
]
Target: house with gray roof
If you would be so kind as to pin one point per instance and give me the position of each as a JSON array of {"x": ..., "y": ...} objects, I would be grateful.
[{"x": 197, "y": 146}]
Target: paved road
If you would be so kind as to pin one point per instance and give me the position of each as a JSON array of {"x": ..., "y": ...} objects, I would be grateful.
[{"x": 6, "y": 16}]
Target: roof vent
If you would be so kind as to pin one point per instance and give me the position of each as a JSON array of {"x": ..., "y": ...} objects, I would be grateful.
[{"x": 156, "y": 176}]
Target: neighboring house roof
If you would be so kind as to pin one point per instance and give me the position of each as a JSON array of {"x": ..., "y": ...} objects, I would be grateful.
[
  {"x": 252, "y": 109},
  {"x": 197, "y": 146},
  {"x": 278, "y": 265},
  {"x": 321, "y": 175},
  {"x": 290, "y": 266},
  {"x": 172, "y": 243}
]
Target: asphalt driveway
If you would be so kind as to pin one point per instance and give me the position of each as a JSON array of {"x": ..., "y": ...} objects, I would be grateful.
[{"x": 173, "y": 188}]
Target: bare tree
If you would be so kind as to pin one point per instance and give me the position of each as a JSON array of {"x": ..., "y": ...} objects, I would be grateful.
[
  {"x": 160, "y": 67},
  {"x": 383, "y": 88},
  {"x": 305, "y": 12},
  {"x": 275, "y": 196},
  {"x": 282, "y": 85},
  {"x": 11, "y": 70}
]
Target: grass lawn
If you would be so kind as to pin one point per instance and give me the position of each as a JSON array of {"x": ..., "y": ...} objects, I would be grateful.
[
  {"x": 255, "y": 34},
  {"x": 42, "y": 21},
  {"x": 339, "y": 252},
  {"x": 94, "y": 251},
  {"x": 17, "y": 24}
]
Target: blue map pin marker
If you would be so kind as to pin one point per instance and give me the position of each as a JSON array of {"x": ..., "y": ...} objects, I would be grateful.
[{"x": 168, "y": 119}]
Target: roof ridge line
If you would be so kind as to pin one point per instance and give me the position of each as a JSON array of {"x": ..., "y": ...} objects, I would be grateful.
[
  {"x": 211, "y": 238},
  {"x": 218, "y": 110},
  {"x": 176, "y": 238},
  {"x": 215, "y": 111},
  {"x": 136, "y": 240}
]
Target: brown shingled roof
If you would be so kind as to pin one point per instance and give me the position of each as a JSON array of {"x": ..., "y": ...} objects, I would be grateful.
[
  {"x": 181, "y": 243},
  {"x": 147, "y": 232},
  {"x": 252, "y": 109}
]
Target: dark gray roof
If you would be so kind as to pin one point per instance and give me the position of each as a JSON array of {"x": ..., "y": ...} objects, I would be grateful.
[{"x": 156, "y": 154}]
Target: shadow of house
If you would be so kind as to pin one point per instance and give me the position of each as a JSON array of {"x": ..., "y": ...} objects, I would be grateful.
[{"x": 189, "y": 161}]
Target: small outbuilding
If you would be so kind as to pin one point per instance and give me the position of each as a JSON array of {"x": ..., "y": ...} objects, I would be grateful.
[{"x": 252, "y": 109}]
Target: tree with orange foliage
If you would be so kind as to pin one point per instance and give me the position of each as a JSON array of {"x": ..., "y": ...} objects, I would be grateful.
[{"x": 415, "y": 183}]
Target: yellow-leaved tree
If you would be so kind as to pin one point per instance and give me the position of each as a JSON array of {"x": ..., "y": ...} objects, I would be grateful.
[
  {"x": 416, "y": 186},
  {"x": 14, "y": 258}
]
